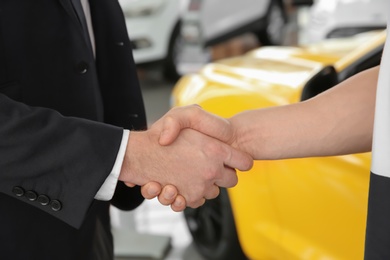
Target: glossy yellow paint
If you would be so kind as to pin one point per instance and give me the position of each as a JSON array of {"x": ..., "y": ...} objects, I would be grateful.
[{"x": 298, "y": 209}]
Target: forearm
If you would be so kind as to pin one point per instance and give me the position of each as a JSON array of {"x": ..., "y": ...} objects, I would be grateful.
[
  {"x": 65, "y": 158},
  {"x": 338, "y": 121}
]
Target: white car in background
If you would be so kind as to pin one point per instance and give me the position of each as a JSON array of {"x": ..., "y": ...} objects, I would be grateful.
[
  {"x": 341, "y": 18},
  {"x": 213, "y": 21},
  {"x": 209, "y": 23},
  {"x": 154, "y": 29}
]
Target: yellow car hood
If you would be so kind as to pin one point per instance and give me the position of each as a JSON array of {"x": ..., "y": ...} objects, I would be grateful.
[{"x": 276, "y": 74}]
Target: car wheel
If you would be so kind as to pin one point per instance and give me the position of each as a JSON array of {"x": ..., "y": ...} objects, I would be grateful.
[
  {"x": 213, "y": 230},
  {"x": 274, "y": 31},
  {"x": 175, "y": 48}
]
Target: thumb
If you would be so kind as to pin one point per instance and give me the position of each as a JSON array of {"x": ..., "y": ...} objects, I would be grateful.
[
  {"x": 175, "y": 120},
  {"x": 170, "y": 131},
  {"x": 194, "y": 117},
  {"x": 129, "y": 184}
]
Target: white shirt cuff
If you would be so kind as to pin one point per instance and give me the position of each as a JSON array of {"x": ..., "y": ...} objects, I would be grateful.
[{"x": 106, "y": 191}]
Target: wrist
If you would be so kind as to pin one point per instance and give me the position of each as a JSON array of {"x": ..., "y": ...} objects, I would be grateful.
[
  {"x": 243, "y": 138},
  {"x": 129, "y": 170}
]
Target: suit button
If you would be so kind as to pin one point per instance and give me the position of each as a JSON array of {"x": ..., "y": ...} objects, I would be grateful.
[
  {"x": 31, "y": 195},
  {"x": 18, "y": 191},
  {"x": 43, "y": 200},
  {"x": 55, "y": 205},
  {"x": 82, "y": 67}
]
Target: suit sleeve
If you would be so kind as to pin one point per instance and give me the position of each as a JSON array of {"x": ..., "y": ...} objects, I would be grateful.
[{"x": 52, "y": 162}]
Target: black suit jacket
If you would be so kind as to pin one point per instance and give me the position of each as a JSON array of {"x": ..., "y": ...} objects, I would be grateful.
[{"x": 55, "y": 150}]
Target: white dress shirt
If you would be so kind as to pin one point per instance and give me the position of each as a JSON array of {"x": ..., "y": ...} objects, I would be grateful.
[{"x": 107, "y": 190}]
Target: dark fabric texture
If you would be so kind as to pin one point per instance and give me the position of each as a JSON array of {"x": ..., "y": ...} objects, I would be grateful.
[
  {"x": 62, "y": 115},
  {"x": 377, "y": 245}
]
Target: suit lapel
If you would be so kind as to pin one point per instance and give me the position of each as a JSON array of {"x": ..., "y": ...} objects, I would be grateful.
[{"x": 66, "y": 4}]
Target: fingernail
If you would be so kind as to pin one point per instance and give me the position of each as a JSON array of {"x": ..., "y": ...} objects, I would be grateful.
[
  {"x": 178, "y": 204},
  {"x": 153, "y": 191},
  {"x": 168, "y": 195}
]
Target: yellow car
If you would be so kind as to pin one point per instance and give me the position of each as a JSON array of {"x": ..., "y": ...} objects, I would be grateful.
[{"x": 297, "y": 209}]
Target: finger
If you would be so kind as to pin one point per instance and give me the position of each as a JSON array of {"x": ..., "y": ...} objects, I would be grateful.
[
  {"x": 179, "y": 204},
  {"x": 168, "y": 195},
  {"x": 151, "y": 190},
  {"x": 197, "y": 204},
  {"x": 238, "y": 160},
  {"x": 229, "y": 178},
  {"x": 129, "y": 184},
  {"x": 212, "y": 193},
  {"x": 196, "y": 118},
  {"x": 175, "y": 120},
  {"x": 171, "y": 129}
]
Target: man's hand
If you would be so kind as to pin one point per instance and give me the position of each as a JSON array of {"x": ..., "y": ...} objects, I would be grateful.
[
  {"x": 166, "y": 196},
  {"x": 194, "y": 117},
  {"x": 170, "y": 125},
  {"x": 197, "y": 165}
]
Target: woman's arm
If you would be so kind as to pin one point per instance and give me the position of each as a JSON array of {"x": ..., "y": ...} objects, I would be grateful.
[{"x": 338, "y": 121}]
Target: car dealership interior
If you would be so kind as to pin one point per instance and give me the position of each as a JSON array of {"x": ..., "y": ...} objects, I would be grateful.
[
  {"x": 194, "y": 130},
  {"x": 301, "y": 49}
]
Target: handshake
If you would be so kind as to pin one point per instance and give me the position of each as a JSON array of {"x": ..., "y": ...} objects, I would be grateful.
[
  {"x": 185, "y": 157},
  {"x": 188, "y": 154}
]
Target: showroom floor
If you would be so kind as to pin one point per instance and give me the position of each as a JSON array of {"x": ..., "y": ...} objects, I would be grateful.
[{"x": 156, "y": 233}]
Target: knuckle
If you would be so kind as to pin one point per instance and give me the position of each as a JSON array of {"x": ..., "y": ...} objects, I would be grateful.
[
  {"x": 212, "y": 173},
  {"x": 214, "y": 149},
  {"x": 163, "y": 201},
  {"x": 196, "y": 110},
  {"x": 246, "y": 163},
  {"x": 190, "y": 201}
]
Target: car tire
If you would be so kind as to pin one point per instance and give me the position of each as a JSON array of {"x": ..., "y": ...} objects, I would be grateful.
[
  {"x": 175, "y": 47},
  {"x": 213, "y": 229},
  {"x": 274, "y": 31}
]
